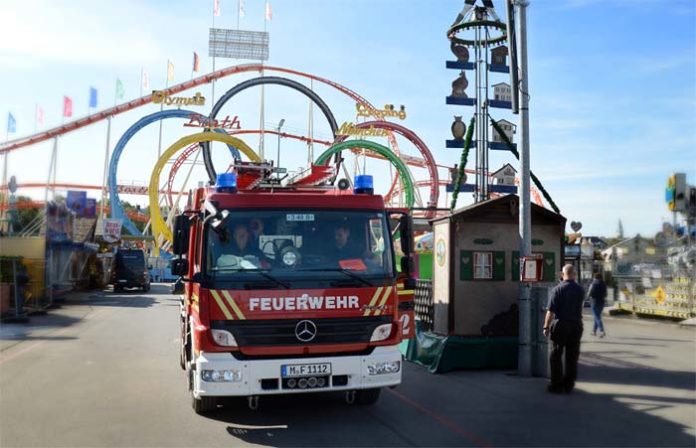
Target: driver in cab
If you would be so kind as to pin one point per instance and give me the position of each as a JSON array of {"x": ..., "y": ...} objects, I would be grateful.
[
  {"x": 343, "y": 247},
  {"x": 241, "y": 247}
]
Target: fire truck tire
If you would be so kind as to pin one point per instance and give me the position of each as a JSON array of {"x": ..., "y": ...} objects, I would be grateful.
[
  {"x": 367, "y": 397},
  {"x": 204, "y": 405}
]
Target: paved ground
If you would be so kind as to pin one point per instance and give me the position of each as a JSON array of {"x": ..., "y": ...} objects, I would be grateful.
[{"x": 103, "y": 371}]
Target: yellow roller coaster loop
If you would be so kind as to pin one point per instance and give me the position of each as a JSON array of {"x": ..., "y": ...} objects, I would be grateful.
[{"x": 159, "y": 226}]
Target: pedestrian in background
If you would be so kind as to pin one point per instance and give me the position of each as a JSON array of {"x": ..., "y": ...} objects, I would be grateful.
[
  {"x": 563, "y": 324},
  {"x": 598, "y": 296}
]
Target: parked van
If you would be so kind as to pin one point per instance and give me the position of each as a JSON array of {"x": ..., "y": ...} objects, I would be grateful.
[{"x": 130, "y": 270}]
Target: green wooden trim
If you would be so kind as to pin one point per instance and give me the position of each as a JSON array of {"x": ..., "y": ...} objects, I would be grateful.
[
  {"x": 484, "y": 241},
  {"x": 537, "y": 242},
  {"x": 550, "y": 268},
  {"x": 499, "y": 265},
  {"x": 515, "y": 266},
  {"x": 466, "y": 265}
]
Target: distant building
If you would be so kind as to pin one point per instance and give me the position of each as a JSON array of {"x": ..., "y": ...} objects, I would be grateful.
[
  {"x": 505, "y": 175},
  {"x": 502, "y": 91},
  {"x": 509, "y": 129},
  {"x": 499, "y": 55}
]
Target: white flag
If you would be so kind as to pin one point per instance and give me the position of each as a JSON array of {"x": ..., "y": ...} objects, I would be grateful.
[
  {"x": 145, "y": 80},
  {"x": 241, "y": 8},
  {"x": 269, "y": 11}
]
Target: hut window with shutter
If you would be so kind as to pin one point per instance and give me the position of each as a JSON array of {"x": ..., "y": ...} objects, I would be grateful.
[{"x": 483, "y": 265}]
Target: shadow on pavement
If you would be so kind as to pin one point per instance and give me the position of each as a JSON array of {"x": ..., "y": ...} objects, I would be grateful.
[
  {"x": 462, "y": 409},
  {"x": 637, "y": 375}
]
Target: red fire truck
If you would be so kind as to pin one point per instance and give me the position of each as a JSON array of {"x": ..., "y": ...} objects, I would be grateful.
[{"x": 292, "y": 290}]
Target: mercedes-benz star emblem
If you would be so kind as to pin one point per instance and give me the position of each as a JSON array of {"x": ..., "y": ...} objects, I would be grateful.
[{"x": 305, "y": 330}]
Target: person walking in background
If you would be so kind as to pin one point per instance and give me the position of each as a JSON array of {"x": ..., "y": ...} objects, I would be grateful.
[
  {"x": 598, "y": 296},
  {"x": 563, "y": 324}
]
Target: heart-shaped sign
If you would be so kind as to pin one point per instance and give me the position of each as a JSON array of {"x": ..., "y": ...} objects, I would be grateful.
[
  {"x": 576, "y": 226},
  {"x": 466, "y": 260}
]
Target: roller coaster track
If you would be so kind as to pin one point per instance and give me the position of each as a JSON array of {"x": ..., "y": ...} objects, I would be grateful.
[{"x": 123, "y": 189}]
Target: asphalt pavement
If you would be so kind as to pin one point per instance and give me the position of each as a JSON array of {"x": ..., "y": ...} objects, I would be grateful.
[{"x": 103, "y": 370}]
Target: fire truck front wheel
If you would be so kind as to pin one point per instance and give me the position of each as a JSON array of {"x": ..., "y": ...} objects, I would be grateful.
[
  {"x": 367, "y": 397},
  {"x": 203, "y": 405}
]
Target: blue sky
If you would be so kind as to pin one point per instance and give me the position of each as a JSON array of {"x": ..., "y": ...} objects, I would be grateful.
[{"x": 613, "y": 86}]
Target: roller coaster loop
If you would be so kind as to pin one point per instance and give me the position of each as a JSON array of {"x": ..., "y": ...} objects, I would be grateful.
[
  {"x": 385, "y": 152},
  {"x": 159, "y": 226}
]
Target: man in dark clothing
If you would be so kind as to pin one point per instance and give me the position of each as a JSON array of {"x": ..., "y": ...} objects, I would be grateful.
[
  {"x": 598, "y": 295},
  {"x": 564, "y": 324},
  {"x": 343, "y": 247}
]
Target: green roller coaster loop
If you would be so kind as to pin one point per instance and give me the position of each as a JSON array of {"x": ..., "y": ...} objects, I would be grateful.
[{"x": 383, "y": 151}]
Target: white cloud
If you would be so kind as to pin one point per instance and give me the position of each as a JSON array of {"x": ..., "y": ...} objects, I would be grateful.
[{"x": 83, "y": 32}]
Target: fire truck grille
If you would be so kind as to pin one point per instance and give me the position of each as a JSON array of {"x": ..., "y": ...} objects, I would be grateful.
[{"x": 254, "y": 333}]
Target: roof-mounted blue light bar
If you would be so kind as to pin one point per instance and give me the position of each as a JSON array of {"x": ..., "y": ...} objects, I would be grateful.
[
  {"x": 363, "y": 184},
  {"x": 226, "y": 183}
]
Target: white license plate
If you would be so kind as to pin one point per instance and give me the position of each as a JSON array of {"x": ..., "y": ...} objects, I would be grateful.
[
  {"x": 294, "y": 370},
  {"x": 123, "y": 281}
]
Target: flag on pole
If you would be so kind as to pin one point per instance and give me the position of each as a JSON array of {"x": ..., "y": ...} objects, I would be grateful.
[
  {"x": 269, "y": 11},
  {"x": 39, "y": 115},
  {"x": 196, "y": 62},
  {"x": 144, "y": 79},
  {"x": 216, "y": 8},
  {"x": 67, "y": 107},
  {"x": 170, "y": 71},
  {"x": 241, "y": 8},
  {"x": 11, "y": 123},
  {"x": 119, "y": 89},
  {"x": 92, "y": 97}
]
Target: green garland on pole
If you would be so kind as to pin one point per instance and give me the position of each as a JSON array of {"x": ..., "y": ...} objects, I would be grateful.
[
  {"x": 462, "y": 162},
  {"x": 512, "y": 149}
]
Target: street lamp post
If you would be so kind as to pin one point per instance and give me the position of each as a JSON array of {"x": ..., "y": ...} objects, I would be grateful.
[{"x": 280, "y": 125}]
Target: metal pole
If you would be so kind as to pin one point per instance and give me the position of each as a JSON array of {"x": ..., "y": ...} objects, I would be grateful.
[
  {"x": 106, "y": 169},
  {"x": 166, "y": 86},
  {"x": 280, "y": 125},
  {"x": 525, "y": 217}
]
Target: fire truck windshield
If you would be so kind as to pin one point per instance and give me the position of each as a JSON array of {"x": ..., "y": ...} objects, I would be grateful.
[{"x": 297, "y": 244}]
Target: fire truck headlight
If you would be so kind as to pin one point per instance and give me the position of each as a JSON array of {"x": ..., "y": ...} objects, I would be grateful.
[
  {"x": 223, "y": 338},
  {"x": 381, "y": 333},
  {"x": 221, "y": 376},
  {"x": 383, "y": 368}
]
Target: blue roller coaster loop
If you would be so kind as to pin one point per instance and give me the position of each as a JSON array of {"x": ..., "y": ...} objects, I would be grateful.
[{"x": 117, "y": 211}]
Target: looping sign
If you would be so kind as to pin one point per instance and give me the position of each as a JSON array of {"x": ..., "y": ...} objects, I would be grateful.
[
  {"x": 161, "y": 97},
  {"x": 201, "y": 121}
]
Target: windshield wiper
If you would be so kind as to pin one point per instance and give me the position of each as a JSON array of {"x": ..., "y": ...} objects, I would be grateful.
[
  {"x": 262, "y": 272},
  {"x": 343, "y": 271}
]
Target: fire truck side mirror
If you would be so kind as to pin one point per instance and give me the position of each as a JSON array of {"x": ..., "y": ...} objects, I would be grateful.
[
  {"x": 181, "y": 235},
  {"x": 407, "y": 265},
  {"x": 406, "y": 230},
  {"x": 180, "y": 266}
]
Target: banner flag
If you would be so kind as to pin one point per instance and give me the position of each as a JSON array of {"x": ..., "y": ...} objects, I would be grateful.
[
  {"x": 67, "y": 107},
  {"x": 92, "y": 97},
  {"x": 196, "y": 62},
  {"x": 119, "y": 89},
  {"x": 145, "y": 80},
  {"x": 11, "y": 123},
  {"x": 39, "y": 115}
]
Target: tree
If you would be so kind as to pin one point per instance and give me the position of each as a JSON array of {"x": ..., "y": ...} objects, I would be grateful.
[{"x": 620, "y": 230}]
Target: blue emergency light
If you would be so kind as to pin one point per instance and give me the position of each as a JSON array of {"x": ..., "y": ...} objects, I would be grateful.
[
  {"x": 363, "y": 184},
  {"x": 226, "y": 183}
]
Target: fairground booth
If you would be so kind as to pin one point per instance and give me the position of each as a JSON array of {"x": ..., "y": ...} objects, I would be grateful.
[{"x": 475, "y": 286}]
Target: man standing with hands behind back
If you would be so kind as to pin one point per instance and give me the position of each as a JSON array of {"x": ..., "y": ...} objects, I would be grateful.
[{"x": 563, "y": 324}]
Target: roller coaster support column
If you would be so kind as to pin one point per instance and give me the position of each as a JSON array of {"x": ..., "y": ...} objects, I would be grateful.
[{"x": 525, "y": 348}]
